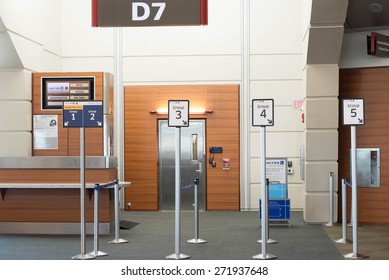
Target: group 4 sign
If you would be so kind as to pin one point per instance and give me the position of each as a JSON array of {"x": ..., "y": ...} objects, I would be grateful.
[
  {"x": 127, "y": 13},
  {"x": 263, "y": 112}
]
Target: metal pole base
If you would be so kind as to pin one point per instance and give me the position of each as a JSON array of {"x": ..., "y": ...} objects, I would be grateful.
[
  {"x": 98, "y": 254},
  {"x": 264, "y": 257},
  {"x": 343, "y": 241},
  {"x": 83, "y": 257},
  {"x": 269, "y": 241},
  {"x": 177, "y": 257},
  {"x": 117, "y": 241},
  {"x": 355, "y": 256},
  {"x": 196, "y": 241}
]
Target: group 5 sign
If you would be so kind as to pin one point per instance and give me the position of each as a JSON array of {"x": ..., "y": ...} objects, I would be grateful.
[
  {"x": 127, "y": 13},
  {"x": 353, "y": 111}
]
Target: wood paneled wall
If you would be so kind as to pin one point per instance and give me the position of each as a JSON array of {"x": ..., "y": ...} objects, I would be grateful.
[
  {"x": 69, "y": 138},
  {"x": 141, "y": 141},
  {"x": 372, "y": 84}
]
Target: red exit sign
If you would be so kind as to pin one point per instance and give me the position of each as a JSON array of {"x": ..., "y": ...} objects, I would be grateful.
[{"x": 127, "y": 13}]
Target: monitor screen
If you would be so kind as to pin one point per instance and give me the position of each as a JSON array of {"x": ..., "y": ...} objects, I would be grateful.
[{"x": 55, "y": 90}]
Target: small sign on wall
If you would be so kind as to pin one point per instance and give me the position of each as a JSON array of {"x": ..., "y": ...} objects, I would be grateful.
[
  {"x": 45, "y": 132},
  {"x": 378, "y": 45}
]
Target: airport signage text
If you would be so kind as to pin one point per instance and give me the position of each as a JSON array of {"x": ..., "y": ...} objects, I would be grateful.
[{"x": 127, "y": 13}]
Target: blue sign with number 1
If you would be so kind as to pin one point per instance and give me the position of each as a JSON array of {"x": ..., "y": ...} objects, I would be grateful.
[{"x": 82, "y": 114}]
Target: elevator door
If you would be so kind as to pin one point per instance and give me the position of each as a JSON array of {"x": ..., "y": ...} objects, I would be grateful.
[{"x": 192, "y": 164}]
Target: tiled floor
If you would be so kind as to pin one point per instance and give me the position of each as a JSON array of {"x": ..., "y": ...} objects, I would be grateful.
[{"x": 373, "y": 240}]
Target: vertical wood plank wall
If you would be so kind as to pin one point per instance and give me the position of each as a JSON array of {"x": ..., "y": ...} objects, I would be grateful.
[
  {"x": 372, "y": 84},
  {"x": 141, "y": 141}
]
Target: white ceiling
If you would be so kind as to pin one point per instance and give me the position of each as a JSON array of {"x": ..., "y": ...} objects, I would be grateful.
[{"x": 361, "y": 15}]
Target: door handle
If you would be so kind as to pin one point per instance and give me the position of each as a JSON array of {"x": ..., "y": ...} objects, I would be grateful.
[{"x": 200, "y": 170}]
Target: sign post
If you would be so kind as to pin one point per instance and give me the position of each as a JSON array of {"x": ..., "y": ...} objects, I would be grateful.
[
  {"x": 82, "y": 114},
  {"x": 178, "y": 116},
  {"x": 353, "y": 115},
  {"x": 262, "y": 116}
]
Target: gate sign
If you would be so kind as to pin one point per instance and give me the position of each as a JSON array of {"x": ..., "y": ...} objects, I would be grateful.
[
  {"x": 178, "y": 113},
  {"x": 82, "y": 114},
  {"x": 353, "y": 112},
  {"x": 126, "y": 13},
  {"x": 263, "y": 112}
]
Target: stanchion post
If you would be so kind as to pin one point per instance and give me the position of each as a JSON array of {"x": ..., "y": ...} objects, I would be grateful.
[
  {"x": 83, "y": 255},
  {"x": 355, "y": 254},
  {"x": 331, "y": 195},
  {"x": 117, "y": 239},
  {"x": 196, "y": 239},
  {"x": 96, "y": 251},
  {"x": 177, "y": 217},
  {"x": 269, "y": 240},
  {"x": 344, "y": 239},
  {"x": 264, "y": 198}
]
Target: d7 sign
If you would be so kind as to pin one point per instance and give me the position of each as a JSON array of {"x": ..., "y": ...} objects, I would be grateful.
[{"x": 126, "y": 13}]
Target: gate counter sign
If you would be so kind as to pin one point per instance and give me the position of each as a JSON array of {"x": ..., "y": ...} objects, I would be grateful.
[
  {"x": 82, "y": 113},
  {"x": 127, "y": 13}
]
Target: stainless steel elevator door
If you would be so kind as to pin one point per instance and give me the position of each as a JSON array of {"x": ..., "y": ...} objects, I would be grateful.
[{"x": 192, "y": 164}]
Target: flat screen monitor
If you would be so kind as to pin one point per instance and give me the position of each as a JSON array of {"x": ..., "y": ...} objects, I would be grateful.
[{"x": 55, "y": 90}]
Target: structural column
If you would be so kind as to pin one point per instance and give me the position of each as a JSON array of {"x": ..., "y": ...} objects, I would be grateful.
[{"x": 322, "y": 41}]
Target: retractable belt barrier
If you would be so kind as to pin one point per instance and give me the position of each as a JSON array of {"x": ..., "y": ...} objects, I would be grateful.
[
  {"x": 196, "y": 239},
  {"x": 331, "y": 195},
  {"x": 269, "y": 240},
  {"x": 117, "y": 240},
  {"x": 344, "y": 239}
]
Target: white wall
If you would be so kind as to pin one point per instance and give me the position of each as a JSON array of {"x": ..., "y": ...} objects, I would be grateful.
[
  {"x": 267, "y": 64},
  {"x": 35, "y": 30},
  {"x": 354, "y": 51},
  {"x": 276, "y": 72},
  {"x": 15, "y": 113},
  {"x": 31, "y": 36},
  {"x": 156, "y": 55}
]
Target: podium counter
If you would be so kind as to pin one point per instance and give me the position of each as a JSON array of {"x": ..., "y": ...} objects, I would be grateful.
[{"x": 41, "y": 194}]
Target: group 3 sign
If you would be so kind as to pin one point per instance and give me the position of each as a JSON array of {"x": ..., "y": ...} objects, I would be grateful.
[{"x": 126, "y": 13}]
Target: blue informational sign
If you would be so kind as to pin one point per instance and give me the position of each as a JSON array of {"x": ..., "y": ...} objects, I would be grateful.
[
  {"x": 279, "y": 209},
  {"x": 277, "y": 173},
  {"x": 82, "y": 113}
]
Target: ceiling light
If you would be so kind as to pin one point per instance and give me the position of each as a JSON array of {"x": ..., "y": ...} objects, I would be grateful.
[
  {"x": 376, "y": 8},
  {"x": 164, "y": 111}
]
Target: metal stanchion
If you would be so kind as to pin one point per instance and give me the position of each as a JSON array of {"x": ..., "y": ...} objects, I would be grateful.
[
  {"x": 331, "y": 182},
  {"x": 117, "y": 239},
  {"x": 96, "y": 251},
  {"x": 196, "y": 239},
  {"x": 344, "y": 239},
  {"x": 355, "y": 254},
  {"x": 177, "y": 255},
  {"x": 264, "y": 207},
  {"x": 269, "y": 240},
  {"x": 83, "y": 255}
]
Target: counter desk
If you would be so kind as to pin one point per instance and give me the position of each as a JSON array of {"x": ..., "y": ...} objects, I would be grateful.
[{"x": 41, "y": 195}]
